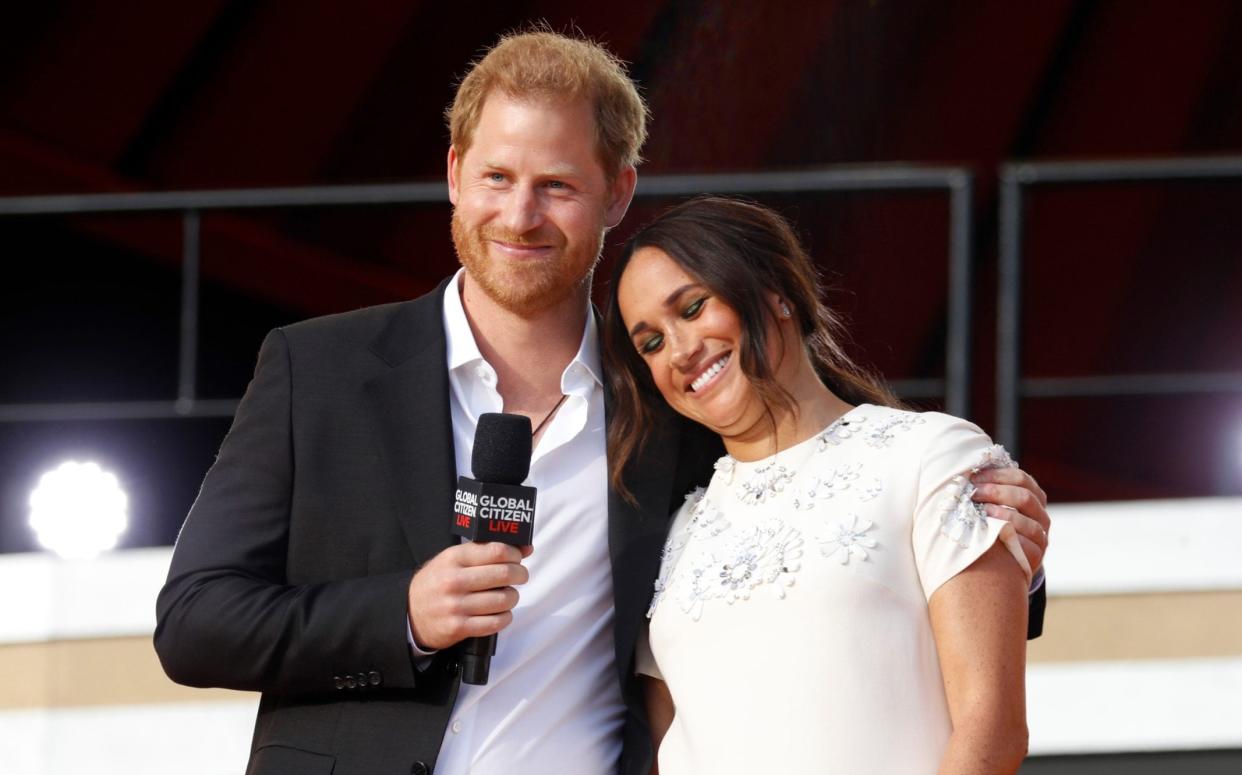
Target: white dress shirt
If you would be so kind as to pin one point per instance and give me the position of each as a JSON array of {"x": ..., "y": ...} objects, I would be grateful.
[{"x": 552, "y": 702}]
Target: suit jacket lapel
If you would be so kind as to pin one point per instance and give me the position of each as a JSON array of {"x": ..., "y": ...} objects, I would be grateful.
[
  {"x": 636, "y": 534},
  {"x": 409, "y": 409}
]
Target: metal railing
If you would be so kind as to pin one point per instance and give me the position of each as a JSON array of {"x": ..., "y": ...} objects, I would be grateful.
[
  {"x": 955, "y": 181},
  {"x": 1011, "y": 386}
]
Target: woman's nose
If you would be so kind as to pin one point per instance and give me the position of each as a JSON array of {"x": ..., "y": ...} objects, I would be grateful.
[{"x": 684, "y": 349}]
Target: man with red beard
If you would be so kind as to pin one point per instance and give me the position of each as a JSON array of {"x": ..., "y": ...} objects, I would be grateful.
[{"x": 317, "y": 565}]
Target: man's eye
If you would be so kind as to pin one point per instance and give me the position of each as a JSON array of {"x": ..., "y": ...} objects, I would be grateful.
[
  {"x": 694, "y": 308},
  {"x": 651, "y": 345},
  {"x": 496, "y": 177}
]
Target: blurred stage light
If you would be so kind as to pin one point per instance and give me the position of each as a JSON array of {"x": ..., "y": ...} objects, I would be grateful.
[{"x": 78, "y": 510}]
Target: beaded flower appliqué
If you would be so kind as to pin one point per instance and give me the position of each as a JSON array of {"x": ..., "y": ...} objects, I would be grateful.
[
  {"x": 764, "y": 555},
  {"x": 705, "y": 517},
  {"x": 847, "y": 540},
  {"x": 840, "y": 431},
  {"x": 767, "y": 481},
  {"x": 833, "y": 482},
  {"x": 961, "y": 517},
  {"x": 882, "y": 434}
]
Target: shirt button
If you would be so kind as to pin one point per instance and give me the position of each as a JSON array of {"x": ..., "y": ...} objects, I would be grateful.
[{"x": 456, "y": 727}]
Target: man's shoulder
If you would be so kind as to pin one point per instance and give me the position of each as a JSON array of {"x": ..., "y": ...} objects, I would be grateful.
[
  {"x": 366, "y": 324},
  {"x": 366, "y": 319}
]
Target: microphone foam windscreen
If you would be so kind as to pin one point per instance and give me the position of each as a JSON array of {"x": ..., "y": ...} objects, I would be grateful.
[{"x": 501, "y": 448}]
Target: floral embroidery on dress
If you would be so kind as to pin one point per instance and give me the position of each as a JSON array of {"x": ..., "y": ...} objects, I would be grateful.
[
  {"x": 961, "y": 517},
  {"x": 994, "y": 456},
  {"x": 766, "y": 482},
  {"x": 696, "y": 502},
  {"x": 839, "y": 431},
  {"x": 834, "y": 481},
  {"x": 763, "y": 555},
  {"x": 869, "y": 491},
  {"x": 882, "y": 435},
  {"x": 704, "y": 515},
  {"x": 725, "y": 466},
  {"x": 846, "y": 541}
]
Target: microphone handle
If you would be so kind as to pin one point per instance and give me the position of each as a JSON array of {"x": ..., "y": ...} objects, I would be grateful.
[{"x": 477, "y": 659}]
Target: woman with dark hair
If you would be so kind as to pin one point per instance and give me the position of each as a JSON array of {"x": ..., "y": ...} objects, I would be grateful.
[{"x": 833, "y": 601}]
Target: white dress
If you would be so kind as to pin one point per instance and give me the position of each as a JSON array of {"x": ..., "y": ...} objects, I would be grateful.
[{"x": 790, "y": 616}]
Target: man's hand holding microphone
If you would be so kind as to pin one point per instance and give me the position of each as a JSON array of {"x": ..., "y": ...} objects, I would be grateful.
[{"x": 468, "y": 592}]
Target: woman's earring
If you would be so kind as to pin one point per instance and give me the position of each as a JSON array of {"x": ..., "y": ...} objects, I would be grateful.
[{"x": 785, "y": 313}]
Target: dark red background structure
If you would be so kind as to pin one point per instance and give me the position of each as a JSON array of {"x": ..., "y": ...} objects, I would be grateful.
[{"x": 1120, "y": 279}]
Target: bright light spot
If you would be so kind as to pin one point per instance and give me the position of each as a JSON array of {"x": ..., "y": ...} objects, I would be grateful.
[{"x": 78, "y": 510}]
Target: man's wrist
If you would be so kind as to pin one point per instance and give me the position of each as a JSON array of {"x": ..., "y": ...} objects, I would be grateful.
[{"x": 422, "y": 656}]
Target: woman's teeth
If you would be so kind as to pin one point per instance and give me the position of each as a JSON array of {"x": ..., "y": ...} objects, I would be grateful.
[{"x": 706, "y": 376}]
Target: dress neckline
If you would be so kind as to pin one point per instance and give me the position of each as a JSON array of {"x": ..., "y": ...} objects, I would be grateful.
[{"x": 728, "y": 462}]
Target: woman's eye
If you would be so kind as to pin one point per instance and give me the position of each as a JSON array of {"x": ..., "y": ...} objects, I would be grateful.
[
  {"x": 694, "y": 308},
  {"x": 651, "y": 345}
]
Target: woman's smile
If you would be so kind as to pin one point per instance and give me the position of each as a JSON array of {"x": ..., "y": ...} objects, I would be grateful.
[{"x": 708, "y": 376}]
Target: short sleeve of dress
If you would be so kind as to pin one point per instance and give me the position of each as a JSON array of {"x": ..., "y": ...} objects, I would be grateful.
[
  {"x": 644, "y": 659},
  {"x": 951, "y": 531}
]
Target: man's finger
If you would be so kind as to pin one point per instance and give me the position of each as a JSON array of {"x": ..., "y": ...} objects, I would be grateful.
[
  {"x": 1019, "y": 498},
  {"x": 1031, "y": 534},
  {"x": 1025, "y": 526},
  {"x": 482, "y": 577},
  {"x": 1034, "y": 555},
  {"x": 1011, "y": 476},
  {"x": 488, "y": 553},
  {"x": 490, "y": 601},
  {"x": 482, "y": 626}
]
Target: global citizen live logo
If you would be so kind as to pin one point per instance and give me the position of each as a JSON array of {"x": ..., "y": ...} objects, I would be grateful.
[{"x": 486, "y": 511}]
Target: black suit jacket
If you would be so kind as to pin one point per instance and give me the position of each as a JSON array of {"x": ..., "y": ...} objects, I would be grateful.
[{"x": 334, "y": 484}]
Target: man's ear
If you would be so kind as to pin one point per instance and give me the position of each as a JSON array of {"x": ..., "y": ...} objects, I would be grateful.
[
  {"x": 453, "y": 172},
  {"x": 620, "y": 194}
]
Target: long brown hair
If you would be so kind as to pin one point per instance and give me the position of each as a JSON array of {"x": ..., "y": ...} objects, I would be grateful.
[{"x": 740, "y": 251}]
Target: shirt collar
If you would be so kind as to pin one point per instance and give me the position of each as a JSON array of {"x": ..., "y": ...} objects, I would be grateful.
[{"x": 463, "y": 349}]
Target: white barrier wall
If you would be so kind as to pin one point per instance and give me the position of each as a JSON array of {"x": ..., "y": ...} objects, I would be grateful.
[{"x": 1142, "y": 651}]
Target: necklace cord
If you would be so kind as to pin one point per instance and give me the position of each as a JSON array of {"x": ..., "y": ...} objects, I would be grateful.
[{"x": 548, "y": 416}]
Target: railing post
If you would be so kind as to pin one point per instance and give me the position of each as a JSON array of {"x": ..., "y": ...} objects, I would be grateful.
[
  {"x": 1009, "y": 309},
  {"x": 187, "y": 373},
  {"x": 957, "y": 344}
]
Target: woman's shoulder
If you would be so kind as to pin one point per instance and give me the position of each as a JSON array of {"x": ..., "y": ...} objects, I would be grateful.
[
  {"x": 924, "y": 436},
  {"x": 883, "y": 420},
  {"x": 890, "y": 428}
]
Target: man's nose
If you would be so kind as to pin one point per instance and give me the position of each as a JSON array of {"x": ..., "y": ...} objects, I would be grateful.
[{"x": 523, "y": 210}]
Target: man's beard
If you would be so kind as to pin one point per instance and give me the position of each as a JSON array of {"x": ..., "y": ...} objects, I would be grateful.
[{"x": 525, "y": 287}]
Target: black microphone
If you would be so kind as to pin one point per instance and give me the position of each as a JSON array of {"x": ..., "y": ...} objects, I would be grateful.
[{"x": 494, "y": 506}]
